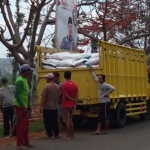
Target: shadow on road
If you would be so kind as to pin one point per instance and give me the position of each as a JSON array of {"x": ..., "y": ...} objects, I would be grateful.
[{"x": 91, "y": 124}]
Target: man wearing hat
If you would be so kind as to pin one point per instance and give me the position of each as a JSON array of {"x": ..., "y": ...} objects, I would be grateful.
[
  {"x": 49, "y": 103},
  {"x": 6, "y": 104},
  {"x": 21, "y": 104},
  {"x": 68, "y": 42}
]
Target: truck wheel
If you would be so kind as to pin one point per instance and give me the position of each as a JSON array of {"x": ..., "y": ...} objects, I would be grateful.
[
  {"x": 143, "y": 117},
  {"x": 120, "y": 115},
  {"x": 77, "y": 122},
  {"x": 93, "y": 122},
  {"x": 148, "y": 109},
  {"x": 146, "y": 116}
]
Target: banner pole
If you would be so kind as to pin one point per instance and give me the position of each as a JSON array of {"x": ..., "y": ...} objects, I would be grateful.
[{"x": 56, "y": 22}]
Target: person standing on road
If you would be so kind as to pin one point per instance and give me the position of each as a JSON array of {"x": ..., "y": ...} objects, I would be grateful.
[
  {"x": 104, "y": 89},
  {"x": 49, "y": 103},
  {"x": 69, "y": 100},
  {"x": 21, "y": 104},
  {"x": 59, "y": 83},
  {"x": 7, "y": 96}
]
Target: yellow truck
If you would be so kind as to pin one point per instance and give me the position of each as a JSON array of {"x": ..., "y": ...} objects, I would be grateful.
[{"x": 125, "y": 68}]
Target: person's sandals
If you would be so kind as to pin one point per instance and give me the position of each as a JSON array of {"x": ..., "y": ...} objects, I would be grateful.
[
  {"x": 96, "y": 133},
  {"x": 49, "y": 137},
  {"x": 30, "y": 146},
  {"x": 105, "y": 132},
  {"x": 21, "y": 147},
  {"x": 58, "y": 136}
]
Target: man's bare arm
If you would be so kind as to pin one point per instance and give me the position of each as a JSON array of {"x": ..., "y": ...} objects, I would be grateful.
[
  {"x": 69, "y": 98},
  {"x": 76, "y": 99}
]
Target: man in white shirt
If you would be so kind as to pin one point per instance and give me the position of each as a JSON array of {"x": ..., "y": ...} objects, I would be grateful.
[{"x": 104, "y": 89}]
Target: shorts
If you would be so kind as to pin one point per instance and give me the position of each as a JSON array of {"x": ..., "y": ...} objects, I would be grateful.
[
  {"x": 103, "y": 113},
  {"x": 59, "y": 110},
  {"x": 67, "y": 114}
]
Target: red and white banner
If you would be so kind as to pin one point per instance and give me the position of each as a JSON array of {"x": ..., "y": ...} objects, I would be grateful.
[{"x": 66, "y": 25}]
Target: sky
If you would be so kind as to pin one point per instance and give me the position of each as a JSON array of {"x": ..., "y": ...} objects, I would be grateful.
[{"x": 3, "y": 49}]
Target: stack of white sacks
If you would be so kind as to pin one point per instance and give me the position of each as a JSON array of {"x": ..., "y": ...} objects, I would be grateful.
[{"x": 65, "y": 60}]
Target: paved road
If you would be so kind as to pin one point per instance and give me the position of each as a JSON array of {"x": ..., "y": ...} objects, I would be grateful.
[{"x": 134, "y": 136}]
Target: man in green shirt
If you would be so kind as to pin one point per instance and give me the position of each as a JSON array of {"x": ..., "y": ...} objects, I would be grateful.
[{"x": 21, "y": 104}]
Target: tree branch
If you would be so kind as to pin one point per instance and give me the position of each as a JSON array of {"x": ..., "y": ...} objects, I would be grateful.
[
  {"x": 17, "y": 35},
  {"x": 89, "y": 3},
  {"x": 130, "y": 37},
  {"x": 50, "y": 21},
  {"x": 35, "y": 25},
  {"x": 27, "y": 27},
  {"x": 45, "y": 22},
  {"x": 6, "y": 20},
  {"x": 86, "y": 34}
]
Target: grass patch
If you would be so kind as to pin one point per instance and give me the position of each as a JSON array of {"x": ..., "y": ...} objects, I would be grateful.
[{"x": 36, "y": 126}]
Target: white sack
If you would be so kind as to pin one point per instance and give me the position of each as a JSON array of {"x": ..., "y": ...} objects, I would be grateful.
[
  {"x": 52, "y": 62},
  {"x": 86, "y": 55},
  {"x": 63, "y": 67},
  {"x": 81, "y": 66},
  {"x": 66, "y": 63},
  {"x": 76, "y": 56},
  {"x": 95, "y": 55},
  {"x": 58, "y": 56},
  {"x": 95, "y": 66},
  {"x": 92, "y": 61},
  {"x": 48, "y": 67},
  {"x": 79, "y": 62}
]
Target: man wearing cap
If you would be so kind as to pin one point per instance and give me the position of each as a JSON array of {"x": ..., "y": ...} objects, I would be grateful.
[
  {"x": 59, "y": 83},
  {"x": 49, "y": 103},
  {"x": 6, "y": 103},
  {"x": 68, "y": 42},
  {"x": 21, "y": 104}
]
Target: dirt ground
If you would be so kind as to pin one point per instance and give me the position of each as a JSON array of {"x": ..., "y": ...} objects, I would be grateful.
[
  {"x": 12, "y": 140},
  {"x": 33, "y": 135},
  {"x": 35, "y": 113}
]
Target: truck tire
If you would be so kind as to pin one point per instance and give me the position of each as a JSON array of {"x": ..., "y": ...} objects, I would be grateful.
[
  {"x": 146, "y": 116},
  {"x": 148, "y": 109},
  {"x": 120, "y": 115},
  {"x": 143, "y": 117},
  {"x": 77, "y": 122}
]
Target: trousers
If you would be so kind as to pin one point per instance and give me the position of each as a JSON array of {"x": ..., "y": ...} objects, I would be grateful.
[
  {"x": 50, "y": 118},
  {"x": 8, "y": 113},
  {"x": 22, "y": 127}
]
